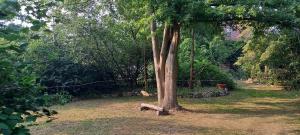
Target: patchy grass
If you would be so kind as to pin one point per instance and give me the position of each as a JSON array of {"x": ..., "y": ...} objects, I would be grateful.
[{"x": 245, "y": 111}]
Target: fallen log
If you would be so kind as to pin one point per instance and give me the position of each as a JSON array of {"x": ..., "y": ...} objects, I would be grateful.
[
  {"x": 159, "y": 110},
  {"x": 149, "y": 106}
]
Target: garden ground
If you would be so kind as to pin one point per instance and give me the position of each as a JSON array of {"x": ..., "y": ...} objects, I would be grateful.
[{"x": 253, "y": 109}]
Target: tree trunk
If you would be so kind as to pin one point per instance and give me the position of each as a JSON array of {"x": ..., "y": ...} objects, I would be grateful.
[
  {"x": 171, "y": 71},
  {"x": 192, "y": 60},
  {"x": 158, "y": 74},
  {"x": 145, "y": 69},
  {"x": 165, "y": 63}
]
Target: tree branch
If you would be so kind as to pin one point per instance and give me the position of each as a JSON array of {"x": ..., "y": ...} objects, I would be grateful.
[{"x": 154, "y": 42}]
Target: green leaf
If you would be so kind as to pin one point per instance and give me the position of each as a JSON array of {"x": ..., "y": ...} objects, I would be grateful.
[
  {"x": 21, "y": 131},
  {"x": 15, "y": 117},
  {"x": 8, "y": 110},
  {"x": 4, "y": 129},
  {"x": 25, "y": 30},
  {"x": 60, "y": 0},
  {"x": 35, "y": 36},
  {"x": 37, "y": 25},
  {"x": 12, "y": 123},
  {"x": 3, "y": 116},
  {"x": 3, "y": 126},
  {"x": 31, "y": 119},
  {"x": 6, "y": 132}
]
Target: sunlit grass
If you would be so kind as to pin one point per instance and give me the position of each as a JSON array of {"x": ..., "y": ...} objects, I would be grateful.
[{"x": 244, "y": 111}]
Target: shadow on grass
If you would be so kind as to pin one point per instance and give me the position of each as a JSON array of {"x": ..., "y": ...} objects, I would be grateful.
[
  {"x": 249, "y": 112},
  {"x": 225, "y": 104},
  {"x": 296, "y": 132},
  {"x": 94, "y": 103},
  {"x": 235, "y": 96},
  {"x": 244, "y": 95},
  {"x": 260, "y": 103}
]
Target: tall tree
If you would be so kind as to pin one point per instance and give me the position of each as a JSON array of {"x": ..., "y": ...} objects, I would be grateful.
[
  {"x": 165, "y": 61},
  {"x": 174, "y": 14}
]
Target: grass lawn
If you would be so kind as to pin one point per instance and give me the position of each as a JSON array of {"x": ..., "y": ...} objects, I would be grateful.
[{"x": 254, "y": 110}]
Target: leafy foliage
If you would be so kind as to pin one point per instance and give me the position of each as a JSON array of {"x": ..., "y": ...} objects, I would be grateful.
[
  {"x": 273, "y": 58},
  {"x": 210, "y": 55},
  {"x": 21, "y": 97},
  {"x": 75, "y": 51}
]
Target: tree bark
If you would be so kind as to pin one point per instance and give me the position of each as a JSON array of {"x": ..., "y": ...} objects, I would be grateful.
[
  {"x": 171, "y": 71},
  {"x": 165, "y": 63},
  {"x": 158, "y": 72},
  {"x": 192, "y": 60},
  {"x": 145, "y": 69}
]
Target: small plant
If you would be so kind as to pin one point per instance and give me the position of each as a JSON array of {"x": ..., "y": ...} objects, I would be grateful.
[{"x": 61, "y": 98}]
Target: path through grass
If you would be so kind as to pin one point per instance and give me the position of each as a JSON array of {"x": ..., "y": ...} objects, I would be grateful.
[{"x": 255, "y": 110}]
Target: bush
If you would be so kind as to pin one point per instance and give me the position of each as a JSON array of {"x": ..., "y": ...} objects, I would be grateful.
[
  {"x": 208, "y": 74},
  {"x": 293, "y": 84},
  {"x": 59, "y": 98},
  {"x": 70, "y": 76},
  {"x": 214, "y": 76}
]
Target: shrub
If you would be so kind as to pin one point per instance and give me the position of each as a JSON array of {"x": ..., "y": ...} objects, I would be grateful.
[
  {"x": 59, "y": 98},
  {"x": 208, "y": 74}
]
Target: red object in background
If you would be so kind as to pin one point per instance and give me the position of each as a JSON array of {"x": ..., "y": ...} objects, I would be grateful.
[{"x": 221, "y": 86}]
